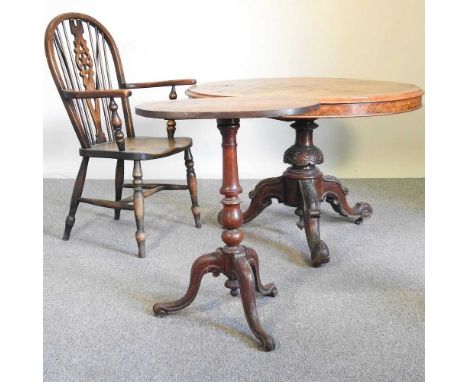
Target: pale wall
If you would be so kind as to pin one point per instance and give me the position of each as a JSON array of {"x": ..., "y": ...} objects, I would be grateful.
[{"x": 215, "y": 40}]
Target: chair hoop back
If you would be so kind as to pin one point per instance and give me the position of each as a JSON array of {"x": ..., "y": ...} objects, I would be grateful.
[{"x": 83, "y": 56}]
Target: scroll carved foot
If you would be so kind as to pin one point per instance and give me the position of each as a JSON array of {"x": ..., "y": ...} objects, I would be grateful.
[
  {"x": 266, "y": 290},
  {"x": 311, "y": 222},
  {"x": 267, "y": 189},
  {"x": 212, "y": 262},
  {"x": 246, "y": 278},
  {"x": 335, "y": 193}
]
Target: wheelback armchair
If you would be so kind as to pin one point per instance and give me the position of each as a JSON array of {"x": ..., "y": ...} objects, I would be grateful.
[{"x": 81, "y": 54}]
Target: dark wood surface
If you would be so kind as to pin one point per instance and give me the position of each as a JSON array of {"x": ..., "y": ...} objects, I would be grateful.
[
  {"x": 227, "y": 107},
  {"x": 87, "y": 70},
  {"x": 139, "y": 148},
  {"x": 338, "y": 97},
  {"x": 156, "y": 84}
]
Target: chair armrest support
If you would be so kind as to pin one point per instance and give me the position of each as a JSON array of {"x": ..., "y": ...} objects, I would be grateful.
[
  {"x": 157, "y": 84},
  {"x": 101, "y": 93},
  {"x": 116, "y": 125},
  {"x": 171, "y": 124}
]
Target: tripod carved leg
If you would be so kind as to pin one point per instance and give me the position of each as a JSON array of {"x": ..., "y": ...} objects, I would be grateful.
[
  {"x": 335, "y": 194},
  {"x": 192, "y": 186},
  {"x": 139, "y": 207},
  {"x": 212, "y": 262},
  {"x": 246, "y": 278},
  {"x": 119, "y": 179},
  {"x": 265, "y": 290},
  {"x": 267, "y": 189},
  {"x": 77, "y": 191},
  {"x": 311, "y": 221}
]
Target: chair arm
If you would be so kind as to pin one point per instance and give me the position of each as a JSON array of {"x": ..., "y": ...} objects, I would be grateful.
[
  {"x": 157, "y": 84},
  {"x": 101, "y": 93}
]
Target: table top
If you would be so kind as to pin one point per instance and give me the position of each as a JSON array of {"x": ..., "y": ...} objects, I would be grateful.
[
  {"x": 338, "y": 97},
  {"x": 265, "y": 106}
]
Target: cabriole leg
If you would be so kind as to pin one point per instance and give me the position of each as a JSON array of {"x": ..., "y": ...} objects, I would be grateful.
[
  {"x": 267, "y": 189},
  {"x": 212, "y": 262},
  {"x": 335, "y": 193},
  {"x": 246, "y": 278},
  {"x": 311, "y": 220},
  {"x": 265, "y": 290}
]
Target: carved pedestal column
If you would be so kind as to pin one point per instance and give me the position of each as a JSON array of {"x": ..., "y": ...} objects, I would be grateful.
[
  {"x": 239, "y": 263},
  {"x": 304, "y": 187}
]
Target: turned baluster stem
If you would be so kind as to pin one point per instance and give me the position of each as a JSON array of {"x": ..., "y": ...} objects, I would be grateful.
[
  {"x": 171, "y": 124},
  {"x": 117, "y": 125},
  {"x": 231, "y": 215}
]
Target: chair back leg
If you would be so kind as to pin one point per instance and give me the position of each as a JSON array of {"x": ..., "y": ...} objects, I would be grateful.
[
  {"x": 76, "y": 195},
  {"x": 192, "y": 186},
  {"x": 119, "y": 179},
  {"x": 139, "y": 207}
]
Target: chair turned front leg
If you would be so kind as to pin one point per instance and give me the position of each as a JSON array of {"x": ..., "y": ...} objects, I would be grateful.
[
  {"x": 139, "y": 207},
  {"x": 119, "y": 179},
  {"x": 76, "y": 195},
  {"x": 192, "y": 186},
  {"x": 311, "y": 221},
  {"x": 335, "y": 194}
]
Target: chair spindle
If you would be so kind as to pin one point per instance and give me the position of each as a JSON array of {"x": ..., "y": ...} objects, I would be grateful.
[
  {"x": 171, "y": 124},
  {"x": 117, "y": 125}
]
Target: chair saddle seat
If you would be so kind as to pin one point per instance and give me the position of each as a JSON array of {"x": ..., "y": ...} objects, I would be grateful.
[{"x": 139, "y": 148}]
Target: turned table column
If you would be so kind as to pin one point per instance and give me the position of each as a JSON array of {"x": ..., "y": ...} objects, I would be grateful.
[{"x": 305, "y": 187}]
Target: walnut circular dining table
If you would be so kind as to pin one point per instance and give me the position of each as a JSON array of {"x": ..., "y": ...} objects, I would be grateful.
[
  {"x": 303, "y": 185},
  {"x": 240, "y": 264}
]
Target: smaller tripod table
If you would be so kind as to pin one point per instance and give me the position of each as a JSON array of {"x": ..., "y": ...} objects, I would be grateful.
[{"x": 240, "y": 264}]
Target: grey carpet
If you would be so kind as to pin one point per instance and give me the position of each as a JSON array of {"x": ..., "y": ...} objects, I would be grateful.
[{"x": 358, "y": 318}]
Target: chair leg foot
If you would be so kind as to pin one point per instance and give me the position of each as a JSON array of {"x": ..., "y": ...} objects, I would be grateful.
[
  {"x": 140, "y": 239},
  {"x": 196, "y": 216},
  {"x": 69, "y": 222}
]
